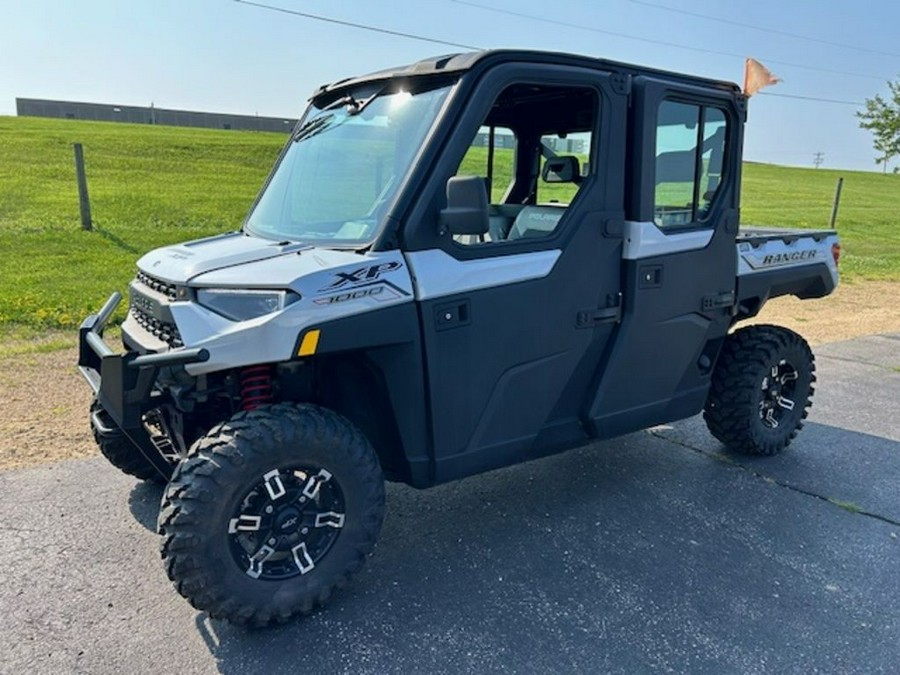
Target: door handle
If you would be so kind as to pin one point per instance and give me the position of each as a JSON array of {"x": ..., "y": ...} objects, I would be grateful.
[
  {"x": 452, "y": 315},
  {"x": 591, "y": 317}
]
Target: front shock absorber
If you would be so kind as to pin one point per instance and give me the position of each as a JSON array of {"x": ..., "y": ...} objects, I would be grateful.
[{"x": 256, "y": 386}]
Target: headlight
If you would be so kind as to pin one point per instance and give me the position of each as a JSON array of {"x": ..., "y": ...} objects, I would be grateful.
[{"x": 244, "y": 305}]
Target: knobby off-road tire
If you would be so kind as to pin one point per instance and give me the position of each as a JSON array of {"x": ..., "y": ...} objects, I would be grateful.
[
  {"x": 761, "y": 389},
  {"x": 270, "y": 512},
  {"x": 121, "y": 452}
]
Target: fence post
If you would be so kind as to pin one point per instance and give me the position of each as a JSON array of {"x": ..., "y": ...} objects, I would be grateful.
[
  {"x": 83, "y": 201},
  {"x": 837, "y": 201}
]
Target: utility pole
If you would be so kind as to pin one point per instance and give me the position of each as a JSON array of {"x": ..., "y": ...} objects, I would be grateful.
[{"x": 818, "y": 158}]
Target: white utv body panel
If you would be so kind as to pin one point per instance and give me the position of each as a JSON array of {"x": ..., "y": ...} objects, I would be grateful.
[
  {"x": 331, "y": 285},
  {"x": 799, "y": 250},
  {"x": 646, "y": 240},
  {"x": 437, "y": 273},
  {"x": 181, "y": 262}
]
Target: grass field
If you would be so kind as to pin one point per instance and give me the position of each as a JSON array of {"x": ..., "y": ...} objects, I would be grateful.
[
  {"x": 152, "y": 186},
  {"x": 148, "y": 186},
  {"x": 868, "y": 220}
]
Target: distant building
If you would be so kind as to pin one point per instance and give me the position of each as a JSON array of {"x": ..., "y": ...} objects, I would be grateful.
[
  {"x": 502, "y": 139},
  {"x": 505, "y": 139},
  {"x": 105, "y": 112},
  {"x": 576, "y": 146}
]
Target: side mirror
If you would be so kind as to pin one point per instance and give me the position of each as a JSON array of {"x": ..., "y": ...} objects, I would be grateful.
[
  {"x": 467, "y": 206},
  {"x": 562, "y": 169}
]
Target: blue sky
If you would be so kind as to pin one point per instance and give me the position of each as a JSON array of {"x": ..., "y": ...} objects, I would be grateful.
[{"x": 222, "y": 56}]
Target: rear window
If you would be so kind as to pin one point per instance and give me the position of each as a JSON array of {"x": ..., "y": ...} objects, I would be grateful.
[{"x": 690, "y": 152}]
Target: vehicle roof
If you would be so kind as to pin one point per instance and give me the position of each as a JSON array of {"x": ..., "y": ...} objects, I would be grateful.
[{"x": 456, "y": 63}]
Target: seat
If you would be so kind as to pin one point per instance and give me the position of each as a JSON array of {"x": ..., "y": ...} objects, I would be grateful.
[
  {"x": 501, "y": 219},
  {"x": 539, "y": 221},
  {"x": 536, "y": 221}
]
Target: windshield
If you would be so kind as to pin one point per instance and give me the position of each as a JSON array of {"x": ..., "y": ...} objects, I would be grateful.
[{"x": 344, "y": 165}]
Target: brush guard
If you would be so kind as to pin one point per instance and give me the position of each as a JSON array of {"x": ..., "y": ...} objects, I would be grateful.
[{"x": 124, "y": 383}]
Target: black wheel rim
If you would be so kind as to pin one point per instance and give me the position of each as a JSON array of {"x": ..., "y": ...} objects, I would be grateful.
[
  {"x": 286, "y": 523},
  {"x": 778, "y": 398}
]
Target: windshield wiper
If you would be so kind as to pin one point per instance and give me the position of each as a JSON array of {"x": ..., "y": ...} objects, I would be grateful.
[
  {"x": 354, "y": 105},
  {"x": 312, "y": 127}
]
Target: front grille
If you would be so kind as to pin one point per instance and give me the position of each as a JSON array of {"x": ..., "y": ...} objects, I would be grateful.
[
  {"x": 147, "y": 308},
  {"x": 158, "y": 285},
  {"x": 163, "y": 330}
]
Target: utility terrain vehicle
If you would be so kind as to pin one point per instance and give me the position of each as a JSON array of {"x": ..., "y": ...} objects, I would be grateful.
[{"x": 456, "y": 265}]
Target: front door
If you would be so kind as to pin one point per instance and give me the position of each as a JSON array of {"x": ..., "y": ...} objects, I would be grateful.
[{"x": 516, "y": 321}]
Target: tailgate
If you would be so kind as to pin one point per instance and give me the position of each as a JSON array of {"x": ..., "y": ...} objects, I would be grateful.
[{"x": 773, "y": 262}]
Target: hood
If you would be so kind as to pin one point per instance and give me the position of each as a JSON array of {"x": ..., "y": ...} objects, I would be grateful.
[{"x": 182, "y": 262}]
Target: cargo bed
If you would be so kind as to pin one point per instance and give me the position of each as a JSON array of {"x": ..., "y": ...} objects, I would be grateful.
[
  {"x": 784, "y": 261},
  {"x": 755, "y": 235}
]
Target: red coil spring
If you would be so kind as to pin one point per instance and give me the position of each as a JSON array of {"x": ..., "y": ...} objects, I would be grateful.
[{"x": 256, "y": 386}]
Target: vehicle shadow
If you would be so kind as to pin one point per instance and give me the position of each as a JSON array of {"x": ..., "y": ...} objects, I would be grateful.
[
  {"x": 578, "y": 562},
  {"x": 143, "y": 502},
  {"x": 441, "y": 553}
]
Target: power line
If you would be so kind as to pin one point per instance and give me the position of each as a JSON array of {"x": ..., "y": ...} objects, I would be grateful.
[
  {"x": 810, "y": 98},
  {"x": 339, "y": 22},
  {"x": 665, "y": 43},
  {"x": 763, "y": 29},
  {"x": 422, "y": 38}
]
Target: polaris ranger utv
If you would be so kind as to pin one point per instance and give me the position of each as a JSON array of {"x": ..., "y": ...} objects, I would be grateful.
[{"x": 457, "y": 265}]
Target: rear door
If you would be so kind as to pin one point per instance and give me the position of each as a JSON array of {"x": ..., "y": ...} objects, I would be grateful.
[
  {"x": 679, "y": 256},
  {"x": 516, "y": 322}
]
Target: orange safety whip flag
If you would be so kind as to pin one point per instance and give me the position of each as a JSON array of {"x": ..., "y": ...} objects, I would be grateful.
[{"x": 757, "y": 76}]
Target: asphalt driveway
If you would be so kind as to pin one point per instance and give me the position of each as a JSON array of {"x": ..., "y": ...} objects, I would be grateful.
[{"x": 653, "y": 552}]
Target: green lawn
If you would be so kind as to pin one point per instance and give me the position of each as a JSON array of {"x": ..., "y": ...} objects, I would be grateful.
[
  {"x": 868, "y": 220},
  {"x": 152, "y": 186},
  {"x": 148, "y": 186}
]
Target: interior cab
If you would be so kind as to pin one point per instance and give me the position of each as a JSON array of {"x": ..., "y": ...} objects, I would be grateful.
[{"x": 533, "y": 153}]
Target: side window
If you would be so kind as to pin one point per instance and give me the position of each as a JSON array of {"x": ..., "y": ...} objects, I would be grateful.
[
  {"x": 533, "y": 151},
  {"x": 690, "y": 154},
  {"x": 577, "y": 145},
  {"x": 492, "y": 155}
]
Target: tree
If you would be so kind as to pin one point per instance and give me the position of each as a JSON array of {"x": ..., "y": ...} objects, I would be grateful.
[{"x": 882, "y": 118}]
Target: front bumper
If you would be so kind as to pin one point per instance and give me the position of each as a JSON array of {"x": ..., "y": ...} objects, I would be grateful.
[{"x": 124, "y": 383}]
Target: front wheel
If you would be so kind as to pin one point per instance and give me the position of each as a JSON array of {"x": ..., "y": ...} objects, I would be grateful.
[
  {"x": 270, "y": 512},
  {"x": 761, "y": 389}
]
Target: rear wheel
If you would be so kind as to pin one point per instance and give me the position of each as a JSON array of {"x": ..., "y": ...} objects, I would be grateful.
[
  {"x": 270, "y": 512},
  {"x": 761, "y": 389},
  {"x": 115, "y": 446}
]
